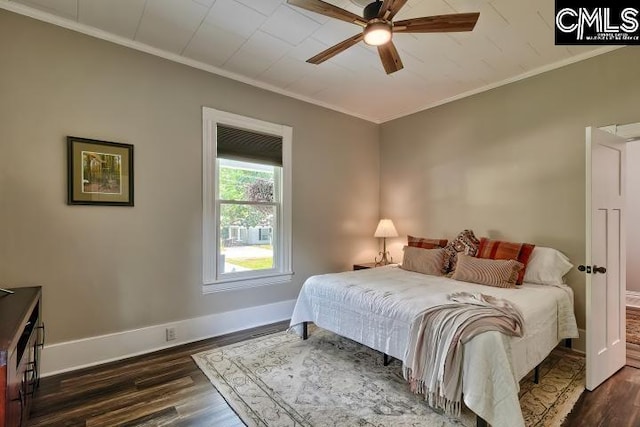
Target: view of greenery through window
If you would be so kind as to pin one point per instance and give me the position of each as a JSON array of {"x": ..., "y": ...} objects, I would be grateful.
[{"x": 247, "y": 215}]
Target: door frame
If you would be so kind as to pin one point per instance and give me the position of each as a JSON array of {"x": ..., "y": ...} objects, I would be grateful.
[{"x": 631, "y": 133}]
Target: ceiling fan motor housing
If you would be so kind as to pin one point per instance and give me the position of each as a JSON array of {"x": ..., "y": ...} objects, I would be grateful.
[{"x": 371, "y": 10}]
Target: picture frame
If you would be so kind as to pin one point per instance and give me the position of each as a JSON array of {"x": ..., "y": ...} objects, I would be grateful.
[{"x": 99, "y": 172}]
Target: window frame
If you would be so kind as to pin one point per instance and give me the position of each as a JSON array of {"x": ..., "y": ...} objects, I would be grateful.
[{"x": 212, "y": 280}]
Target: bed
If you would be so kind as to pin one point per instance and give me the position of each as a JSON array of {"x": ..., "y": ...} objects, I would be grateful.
[{"x": 375, "y": 307}]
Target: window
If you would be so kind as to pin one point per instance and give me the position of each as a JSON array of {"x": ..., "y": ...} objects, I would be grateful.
[{"x": 246, "y": 202}]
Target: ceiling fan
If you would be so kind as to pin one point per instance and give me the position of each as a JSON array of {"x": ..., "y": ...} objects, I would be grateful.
[{"x": 378, "y": 27}]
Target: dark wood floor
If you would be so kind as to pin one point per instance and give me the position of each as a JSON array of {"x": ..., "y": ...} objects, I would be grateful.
[
  {"x": 615, "y": 403},
  {"x": 167, "y": 388},
  {"x": 162, "y": 388}
]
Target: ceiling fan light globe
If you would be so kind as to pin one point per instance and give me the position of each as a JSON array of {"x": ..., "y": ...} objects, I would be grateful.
[{"x": 377, "y": 33}]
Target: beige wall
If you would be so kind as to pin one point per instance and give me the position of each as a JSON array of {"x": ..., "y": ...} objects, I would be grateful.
[
  {"x": 508, "y": 163},
  {"x": 107, "y": 269}
]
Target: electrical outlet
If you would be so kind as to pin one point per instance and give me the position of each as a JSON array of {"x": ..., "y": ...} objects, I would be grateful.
[{"x": 171, "y": 333}]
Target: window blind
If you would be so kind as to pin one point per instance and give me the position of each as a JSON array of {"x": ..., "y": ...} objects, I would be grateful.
[{"x": 240, "y": 144}]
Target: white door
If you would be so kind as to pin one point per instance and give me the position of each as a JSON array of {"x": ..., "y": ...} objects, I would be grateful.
[{"x": 605, "y": 263}]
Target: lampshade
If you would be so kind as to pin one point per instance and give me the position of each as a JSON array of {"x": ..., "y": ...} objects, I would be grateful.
[
  {"x": 385, "y": 229},
  {"x": 377, "y": 33}
]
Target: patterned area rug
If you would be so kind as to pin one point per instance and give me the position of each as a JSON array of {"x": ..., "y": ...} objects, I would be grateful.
[
  {"x": 327, "y": 380},
  {"x": 633, "y": 325}
]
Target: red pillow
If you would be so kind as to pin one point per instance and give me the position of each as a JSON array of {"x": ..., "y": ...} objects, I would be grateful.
[
  {"x": 421, "y": 242},
  {"x": 498, "y": 249}
]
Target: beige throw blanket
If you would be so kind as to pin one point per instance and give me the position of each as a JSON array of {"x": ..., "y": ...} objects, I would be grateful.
[{"x": 433, "y": 358}]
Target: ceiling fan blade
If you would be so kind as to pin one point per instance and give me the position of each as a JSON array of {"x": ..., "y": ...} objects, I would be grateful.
[
  {"x": 336, "y": 49},
  {"x": 395, "y": 8},
  {"x": 390, "y": 58},
  {"x": 384, "y": 8},
  {"x": 436, "y": 24},
  {"x": 327, "y": 9}
]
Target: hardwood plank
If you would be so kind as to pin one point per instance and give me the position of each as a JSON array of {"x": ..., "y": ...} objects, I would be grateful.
[
  {"x": 166, "y": 416},
  {"x": 142, "y": 405},
  {"x": 610, "y": 404},
  {"x": 122, "y": 400},
  {"x": 69, "y": 399}
]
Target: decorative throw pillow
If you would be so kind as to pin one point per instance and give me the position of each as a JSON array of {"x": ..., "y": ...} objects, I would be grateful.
[
  {"x": 501, "y": 273},
  {"x": 547, "y": 266},
  {"x": 425, "y": 261},
  {"x": 466, "y": 242},
  {"x": 498, "y": 249},
  {"x": 424, "y": 243}
]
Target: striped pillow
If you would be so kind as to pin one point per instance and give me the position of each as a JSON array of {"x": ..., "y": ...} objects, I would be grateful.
[
  {"x": 425, "y": 261},
  {"x": 498, "y": 249},
  {"x": 424, "y": 243},
  {"x": 501, "y": 273}
]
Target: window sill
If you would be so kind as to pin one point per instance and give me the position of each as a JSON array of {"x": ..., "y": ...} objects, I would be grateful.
[{"x": 246, "y": 283}]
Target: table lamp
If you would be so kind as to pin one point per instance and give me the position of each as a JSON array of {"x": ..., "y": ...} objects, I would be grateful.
[{"x": 385, "y": 229}]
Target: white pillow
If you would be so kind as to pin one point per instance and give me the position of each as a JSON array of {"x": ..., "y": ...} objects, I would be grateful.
[{"x": 547, "y": 266}]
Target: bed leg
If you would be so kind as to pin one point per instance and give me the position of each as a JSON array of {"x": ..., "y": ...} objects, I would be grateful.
[
  {"x": 386, "y": 360},
  {"x": 480, "y": 422},
  {"x": 305, "y": 332},
  {"x": 536, "y": 375},
  {"x": 567, "y": 342}
]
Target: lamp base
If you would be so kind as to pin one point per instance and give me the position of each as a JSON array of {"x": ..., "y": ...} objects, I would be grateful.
[{"x": 385, "y": 258}]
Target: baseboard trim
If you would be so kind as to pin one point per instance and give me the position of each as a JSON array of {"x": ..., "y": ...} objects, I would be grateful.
[
  {"x": 71, "y": 355},
  {"x": 633, "y": 299}
]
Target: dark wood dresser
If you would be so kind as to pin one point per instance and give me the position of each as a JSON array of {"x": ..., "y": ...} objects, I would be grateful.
[{"x": 21, "y": 340}]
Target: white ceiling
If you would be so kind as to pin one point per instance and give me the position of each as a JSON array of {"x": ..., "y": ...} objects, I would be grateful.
[{"x": 266, "y": 43}]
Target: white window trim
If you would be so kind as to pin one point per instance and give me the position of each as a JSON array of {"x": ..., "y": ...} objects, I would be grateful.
[{"x": 282, "y": 274}]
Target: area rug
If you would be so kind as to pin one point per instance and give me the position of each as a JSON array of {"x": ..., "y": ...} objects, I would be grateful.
[
  {"x": 327, "y": 380},
  {"x": 633, "y": 325}
]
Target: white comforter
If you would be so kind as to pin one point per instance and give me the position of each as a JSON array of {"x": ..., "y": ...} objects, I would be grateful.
[{"x": 375, "y": 307}]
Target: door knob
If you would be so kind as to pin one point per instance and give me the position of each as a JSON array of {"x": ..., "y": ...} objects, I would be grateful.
[{"x": 597, "y": 269}]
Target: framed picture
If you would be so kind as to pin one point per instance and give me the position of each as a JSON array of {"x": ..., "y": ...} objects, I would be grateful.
[{"x": 99, "y": 172}]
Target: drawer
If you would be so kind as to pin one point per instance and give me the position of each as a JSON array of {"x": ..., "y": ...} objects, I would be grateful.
[
  {"x": 20, "y": 327},
  {"x": 15, "y": 404}
]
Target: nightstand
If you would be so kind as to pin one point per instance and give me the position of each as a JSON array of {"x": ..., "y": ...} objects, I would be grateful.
[{"x": 365, "y": 265}]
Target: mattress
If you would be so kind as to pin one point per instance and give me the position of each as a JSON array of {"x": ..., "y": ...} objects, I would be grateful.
[{"x": 375, "y": 307}]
